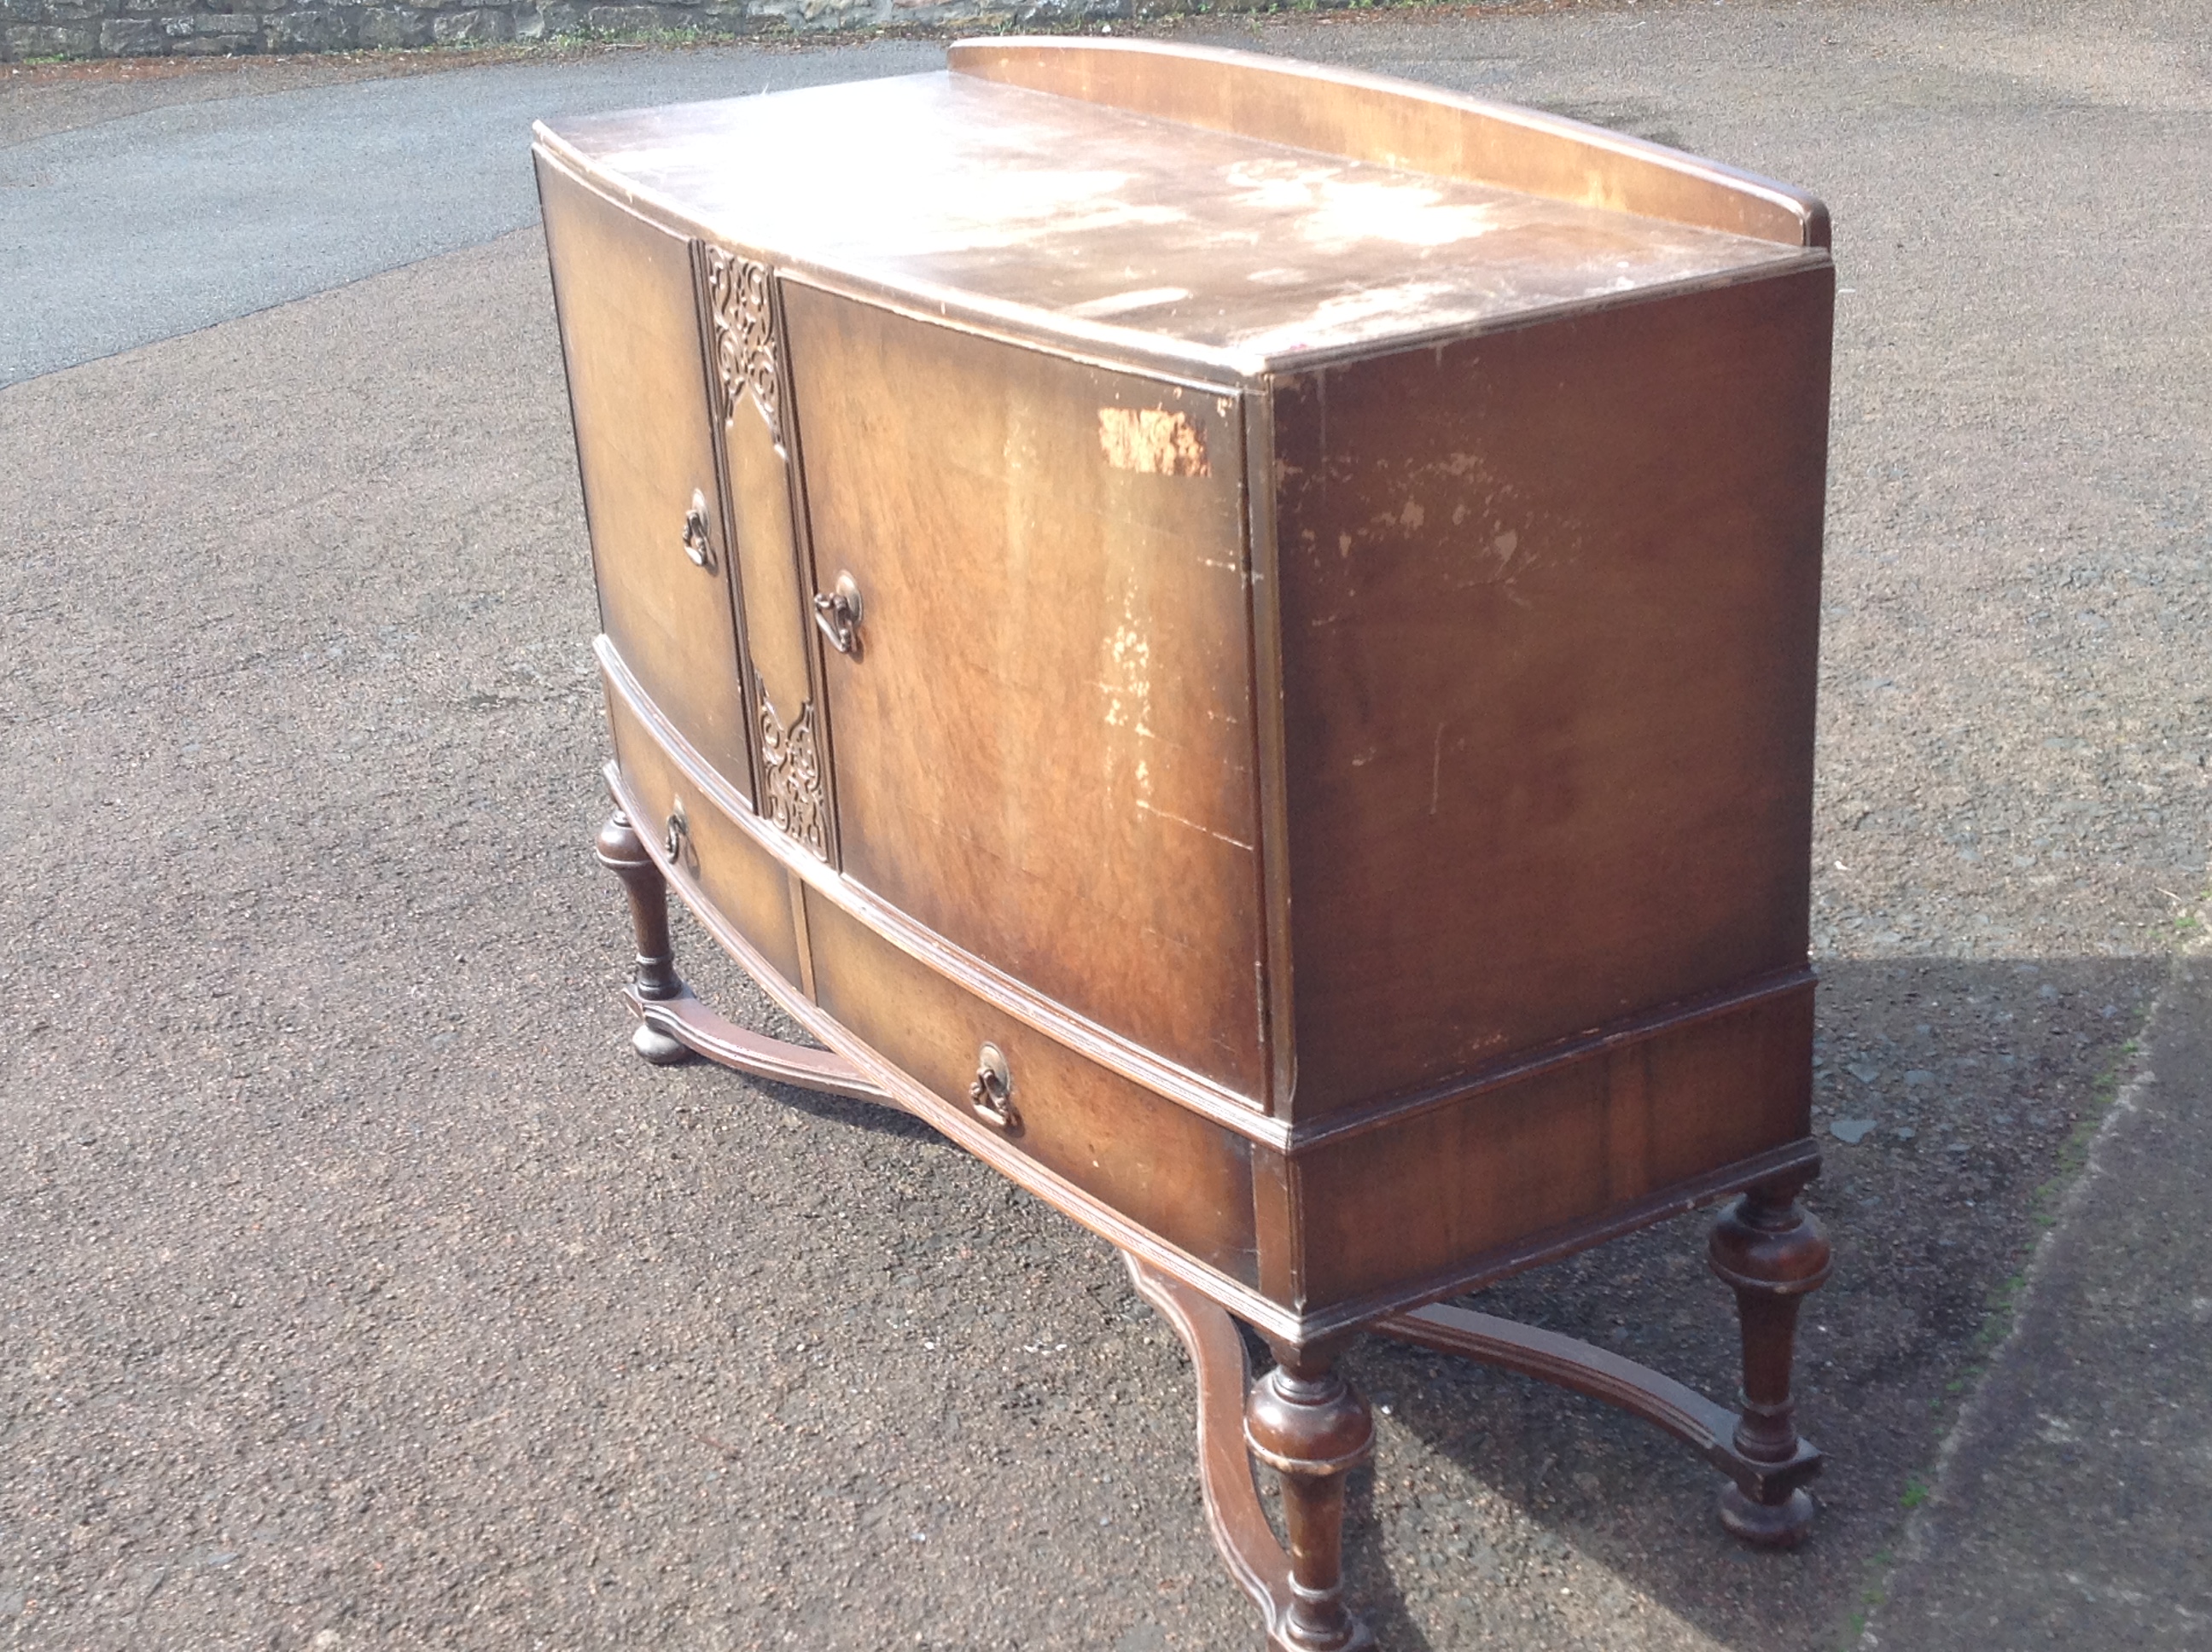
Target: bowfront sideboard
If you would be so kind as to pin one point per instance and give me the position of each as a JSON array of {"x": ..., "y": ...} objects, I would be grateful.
[{"x": 1239, "y": 638}]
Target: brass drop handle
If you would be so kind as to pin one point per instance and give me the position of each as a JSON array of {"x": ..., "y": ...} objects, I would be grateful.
[
  {"x": 990, "y": 1092},
  {"x": 837, "y": 611},
  {"x": 678, "y": 834},
  {"x": 697, "y": 545}
]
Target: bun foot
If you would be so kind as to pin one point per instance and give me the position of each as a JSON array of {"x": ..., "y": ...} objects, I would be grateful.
[
  {"x": 1783, "y": 1525},
  {"x": 657, "y": 1046}
]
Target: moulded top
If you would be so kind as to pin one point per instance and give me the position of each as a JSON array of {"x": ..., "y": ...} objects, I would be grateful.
[{"x": 1152, "y": 229}]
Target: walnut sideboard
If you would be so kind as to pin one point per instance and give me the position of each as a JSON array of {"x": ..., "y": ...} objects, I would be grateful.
[{"x": 1240, "y": 637}]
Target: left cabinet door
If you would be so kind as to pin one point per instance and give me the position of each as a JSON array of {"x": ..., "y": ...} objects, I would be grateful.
[{"x": 627, "y": 295}]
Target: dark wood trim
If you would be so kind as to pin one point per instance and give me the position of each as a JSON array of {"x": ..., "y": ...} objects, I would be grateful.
[
  {"x": 1265, "y": 624},
  {"x": 706, "y": 1031},
  {"x": 1703, "y": 1425}
]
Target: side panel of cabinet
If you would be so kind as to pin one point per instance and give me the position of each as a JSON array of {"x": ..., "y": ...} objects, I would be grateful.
[
  {"x": 1550, "y": 622},
  {"x": 628, "y": 306},
  {"x": 1042, "y": 738}
]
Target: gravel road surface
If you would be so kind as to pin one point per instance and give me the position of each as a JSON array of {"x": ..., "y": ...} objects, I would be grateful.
[{"x": 362, "y": 1291}]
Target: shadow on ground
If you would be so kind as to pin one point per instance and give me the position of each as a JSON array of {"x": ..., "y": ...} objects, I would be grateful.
[
  {"x": 1964, "y": 1092},
  {"x": 1981, "y": 1081}
]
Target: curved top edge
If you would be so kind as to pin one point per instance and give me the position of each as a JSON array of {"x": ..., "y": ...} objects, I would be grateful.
[{"x": 1404, "y": 124}]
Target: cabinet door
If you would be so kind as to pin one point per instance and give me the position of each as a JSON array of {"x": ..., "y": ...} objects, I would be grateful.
[
  {"x": 1041, "y": 733},
  {"x": 765, "y": 560},
  {"x": 629, "y": 302}
]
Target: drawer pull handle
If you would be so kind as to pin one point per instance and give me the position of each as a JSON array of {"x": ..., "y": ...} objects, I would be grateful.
[
  {"x": 697, "y": 545},
  {"x": 990, "y": 1092},
  {"x": 679, "y": 836},
  {"x": 837, "y": 611}
]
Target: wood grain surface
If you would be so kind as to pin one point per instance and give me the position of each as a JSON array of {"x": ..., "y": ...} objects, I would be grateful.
[{"x": 1043, "y": 740}]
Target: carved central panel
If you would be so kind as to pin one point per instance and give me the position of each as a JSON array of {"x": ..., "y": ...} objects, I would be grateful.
[
  {"x": 792, "y": 774},
  {"x": 744, "y": 338}
]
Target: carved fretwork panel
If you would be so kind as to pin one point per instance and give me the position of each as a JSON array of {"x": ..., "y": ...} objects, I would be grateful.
[
  {"x": 792, "y": 776},
  {"x": 744, "y": 338}
]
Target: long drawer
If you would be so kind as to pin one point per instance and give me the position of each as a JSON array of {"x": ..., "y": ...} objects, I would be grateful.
[{"x": 1180, "y": 1176}]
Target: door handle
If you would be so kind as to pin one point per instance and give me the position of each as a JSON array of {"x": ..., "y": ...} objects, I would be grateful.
[
  {"x": 837, "y": 611},
  {"x": 697, "y": 545}
]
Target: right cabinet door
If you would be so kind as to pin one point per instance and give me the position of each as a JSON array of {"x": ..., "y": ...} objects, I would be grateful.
[{"x": 1041, "y": 730}]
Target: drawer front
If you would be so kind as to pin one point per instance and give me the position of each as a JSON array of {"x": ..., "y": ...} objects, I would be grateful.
[
  {"x": 1041, "y": 733},
  {"x": 629, "y": 303},
  {"x": 744, "y": 884},
  {"x": 1173, "y": 1173}
]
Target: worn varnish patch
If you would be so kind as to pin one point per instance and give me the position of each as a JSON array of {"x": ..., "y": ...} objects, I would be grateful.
[
  {"x": 1152, "y": 441},
  {"x": 1120, "y": 230}
]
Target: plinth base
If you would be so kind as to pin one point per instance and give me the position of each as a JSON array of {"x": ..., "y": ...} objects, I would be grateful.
[{"x": 1302, "y": 1418}]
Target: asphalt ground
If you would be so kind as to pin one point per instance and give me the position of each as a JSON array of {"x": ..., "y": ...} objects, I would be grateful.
[
  {"x": 362, "y": 1291},
  {"x": 2067, "y": 1509},
  {"x": 218, "y": 206}
]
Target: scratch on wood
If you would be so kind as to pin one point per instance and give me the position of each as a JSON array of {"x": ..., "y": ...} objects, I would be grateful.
[
  {"x": 1436, "y": 770},
  {"x": 1151, "y": 441},
  {"x": 1154, "y": 809}
]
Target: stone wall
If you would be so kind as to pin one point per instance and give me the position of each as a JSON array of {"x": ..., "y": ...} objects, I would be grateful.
[{"x": 111, "y": 28}]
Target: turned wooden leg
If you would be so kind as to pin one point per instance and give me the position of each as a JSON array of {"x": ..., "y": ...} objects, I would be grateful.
[
  {"x": 621, "y": 854},
  {"x": 1771, "y": 1254},
  {"x": 1305, "y": 1421}
]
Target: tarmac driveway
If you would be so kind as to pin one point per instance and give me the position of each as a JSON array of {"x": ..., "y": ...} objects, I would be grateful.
[{"x": 362, "y": 1291}]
